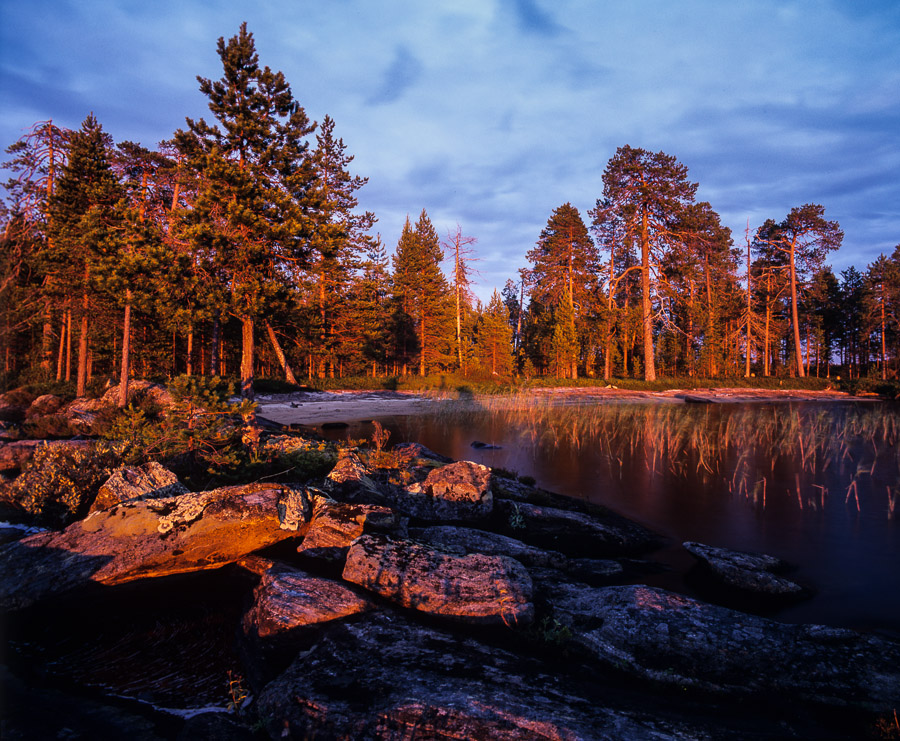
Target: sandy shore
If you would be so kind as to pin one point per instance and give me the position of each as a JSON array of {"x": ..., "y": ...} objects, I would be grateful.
[{"x": 316, "y": 408}]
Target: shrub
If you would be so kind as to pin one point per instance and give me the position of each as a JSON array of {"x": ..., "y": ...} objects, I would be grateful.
[{"x": 60, "y": 482}]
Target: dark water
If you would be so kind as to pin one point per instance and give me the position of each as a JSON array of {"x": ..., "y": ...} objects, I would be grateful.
[{"x": 815, "y": 484}]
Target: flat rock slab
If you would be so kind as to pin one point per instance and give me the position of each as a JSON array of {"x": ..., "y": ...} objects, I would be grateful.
[
  {"x": 287, "y": 600},
  {"x": 670, "y": 639},
  {"x": 465, "y": 540},
  {"x": 149, "y": 481},
  {"x": 490, "y": 590},
  {"x": 335, "y": 525},
  {"x": 152, "y": 538},
  {"x": 748, "y": 572},
  {"x": 388, "y": 678},
  {"x": 576, "y": 534}
]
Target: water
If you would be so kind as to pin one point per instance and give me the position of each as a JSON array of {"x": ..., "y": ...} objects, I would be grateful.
[{"x": 815, "y": 484}]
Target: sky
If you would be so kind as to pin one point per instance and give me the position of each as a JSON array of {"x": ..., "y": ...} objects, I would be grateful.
[{"x": 490, "y": 114}]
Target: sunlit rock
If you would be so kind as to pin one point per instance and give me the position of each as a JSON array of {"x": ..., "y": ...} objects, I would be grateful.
[
  {"x": 457, "y": 491},
  {"x": 335, "y": 525},
  {"x": 150, "y": 538},
  {"x": 468, "y": 540},
  {"x": 491, "y": 590},
  {"x": 149, "y": 481}
]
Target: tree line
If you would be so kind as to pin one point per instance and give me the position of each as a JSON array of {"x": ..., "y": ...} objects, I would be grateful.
[{"x": 237, "y": 247}]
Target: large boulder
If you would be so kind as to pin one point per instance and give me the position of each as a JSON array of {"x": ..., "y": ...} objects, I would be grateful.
[
  {"x": 747, "y": 572},
  {"x": 44, "y": 405},
  {"x": 149, "y": 481},
  {"x": 457, "y": 491},
  {"x": 389, "y": 678},
  {"x": 151, "y": 538},
  {"x": 489, "y": 590},
  {"x": 576, "y": 534},
  {"x": 674, "y": 640},
  {"x": 335, "y": 525}
]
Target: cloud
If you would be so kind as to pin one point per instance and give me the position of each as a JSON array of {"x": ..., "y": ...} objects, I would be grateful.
[
  {"x": 532, "y": 18},
  {"x": 403, "y": 72}
]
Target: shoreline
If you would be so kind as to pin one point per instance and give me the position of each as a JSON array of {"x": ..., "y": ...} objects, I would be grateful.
[{"x": 321, "y": 407}]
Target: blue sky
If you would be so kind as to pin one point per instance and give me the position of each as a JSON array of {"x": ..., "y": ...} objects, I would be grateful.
[{"x": 491, "y": 113}]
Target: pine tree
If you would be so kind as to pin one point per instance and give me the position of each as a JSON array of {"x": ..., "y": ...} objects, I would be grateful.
[
  {"x": 805, "y": 238},
  {"x": 253, "y": 179},
  {"x": 648, "y": 190},
  {"x": 564, "y": 261},
  {"x": 338, "y": 236},
  {"x": 494, "y": 337},
  {"x": 85, "y": 222}
]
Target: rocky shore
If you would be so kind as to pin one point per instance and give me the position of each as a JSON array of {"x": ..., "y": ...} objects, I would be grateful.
[{"x": 406, "y": 596}]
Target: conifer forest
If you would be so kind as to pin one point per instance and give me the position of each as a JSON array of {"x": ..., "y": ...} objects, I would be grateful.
[{"x": 240, "y": 247}]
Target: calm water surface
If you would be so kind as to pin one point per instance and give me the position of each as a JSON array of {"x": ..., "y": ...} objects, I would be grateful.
[{"x": 815, "y": 484}]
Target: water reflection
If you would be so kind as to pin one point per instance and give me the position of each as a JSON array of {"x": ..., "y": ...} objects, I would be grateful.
[{"x": 816, "y": 484}]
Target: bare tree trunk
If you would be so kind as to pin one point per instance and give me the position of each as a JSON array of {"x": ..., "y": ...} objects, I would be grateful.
[
  {"x": 247, "y": 354},
  {"x": 214, "y": 349},
  {"x": 646, "y": 313},
  {"x": 794, "y": 316},
  {"x": 60, "y": 358},
  {"x": 68, "y": 344},
  {"x": 189, "y": 369},
  {"x": 81, "y": 383},
  {"x": 126, "y": 351},
  {"x": 749, "y": 339},
  {"x": 279, "y": 353},
  {"x": 883, "y": 342}
]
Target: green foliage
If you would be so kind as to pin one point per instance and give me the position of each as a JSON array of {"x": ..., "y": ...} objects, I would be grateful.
[{"x": 60, "y": 482}]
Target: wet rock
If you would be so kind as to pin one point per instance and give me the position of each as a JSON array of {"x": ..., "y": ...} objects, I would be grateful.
[
  {"x": 490, "y": 590},
  {"x": 674, "y": 640},
  {"x": 287, "y": 600},
  {"x": 457, "y": 491},
  {"x": 748, "y": 572},
  {"x": 335, "y": 525},
  {"x": 478, "y": 445},
  {"x": 151, "y": 538},
  {"x": 14, "y": 455},
  {"x": 576, "y": 534},
  {"x": 149, "y": 481},
  {"x": 467, "y": 540},
  {"x": 386, "y": 677}
]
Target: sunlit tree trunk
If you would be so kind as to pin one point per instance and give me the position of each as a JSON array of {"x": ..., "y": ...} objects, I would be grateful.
[
  {"x": 279, "y": 353},
  {"x": 247, "y": 353},
  {"x": 126, "y": 351}
]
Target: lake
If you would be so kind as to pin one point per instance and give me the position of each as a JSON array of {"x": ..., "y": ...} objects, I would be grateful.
[{"x": 817, "y": 484}]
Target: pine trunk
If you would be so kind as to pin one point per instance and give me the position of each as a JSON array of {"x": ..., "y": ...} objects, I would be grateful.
[
  {"x": 247, "y": 355},
  {"x": 646, "y": 313},
  {"x": 794, "y": 316},
  {"x": 81, "y": 383},
  {"x": 279, "y": 353},
  {"x": 126, "y": 351}
]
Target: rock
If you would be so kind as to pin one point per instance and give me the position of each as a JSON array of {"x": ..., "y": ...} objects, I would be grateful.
[
  {"x": 594, "y": 571},
  {"x": 214, "y": 726},
  {"x": 748, "y": 572},
  {"x": 674, "y": 640},
  {"x": 478, "y": 445},
  {"x": 44, "y": 405},
  {"x": 287, "y": 600},
  {"x": 351, "y": 481},
  {"x": 155, "y": 392},
  {"x": 151, "y": 538},
  {"x": 468, "y": 540},
  {"x": 14, "y": 455},
  {"x": 82, "y": 413},
  {"x": 417, "y": 450},
  {"x": 335, "y": 525},
  {"x": 388, "y": 678},
  {"x": 150, "y": 481},
  {"x": 14, "y": 404},
  {"x": 575, "y": 534},
  {"x": 490, "y": 590},
  {"x": 457, "y": 491}
]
